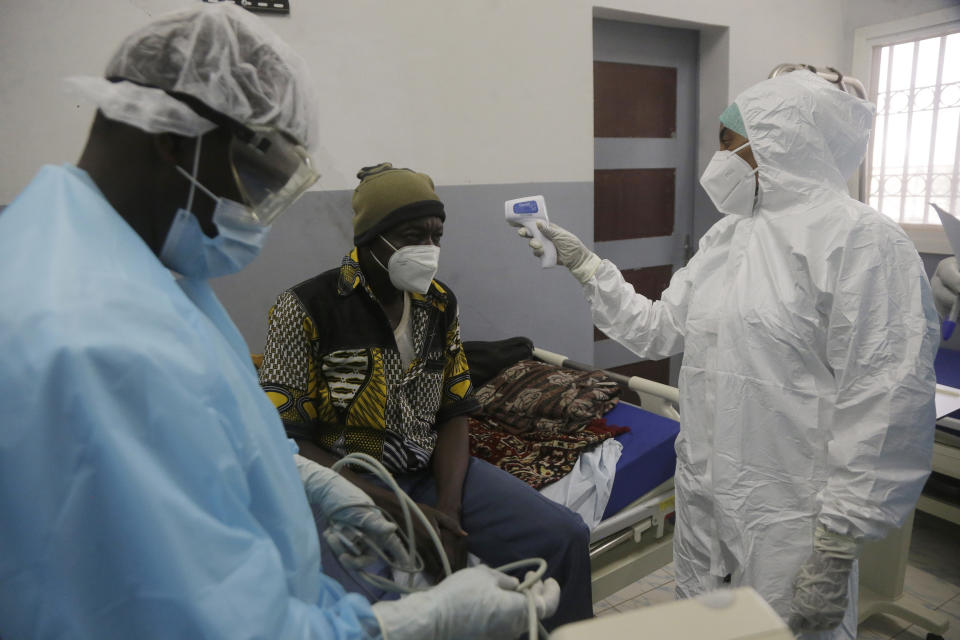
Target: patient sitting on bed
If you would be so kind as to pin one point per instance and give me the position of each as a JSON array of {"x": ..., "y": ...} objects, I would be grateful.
[{"x": 367, "y": 357}]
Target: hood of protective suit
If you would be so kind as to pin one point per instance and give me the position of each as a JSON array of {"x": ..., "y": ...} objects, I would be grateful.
[{"x": 807, "y": 136}]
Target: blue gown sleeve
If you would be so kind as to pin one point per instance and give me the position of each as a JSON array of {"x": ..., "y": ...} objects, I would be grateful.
[{"x": 129, "y": 506}]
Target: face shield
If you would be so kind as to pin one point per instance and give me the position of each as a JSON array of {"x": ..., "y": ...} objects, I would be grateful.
[
  {"x": 272, "y": 170},
  {"x": 270, "y": 167}
]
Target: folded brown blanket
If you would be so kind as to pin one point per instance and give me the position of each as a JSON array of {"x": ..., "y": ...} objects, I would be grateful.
[
  {"x": 537, "y": 457},
  {"x": 535, "y": 396},
  {"x": 536, "y": 419}
]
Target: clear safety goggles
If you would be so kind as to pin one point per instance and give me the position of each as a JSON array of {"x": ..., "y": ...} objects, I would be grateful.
[
  {"x": 271, "y": 170},
  {"x": 270, "y": 167}
]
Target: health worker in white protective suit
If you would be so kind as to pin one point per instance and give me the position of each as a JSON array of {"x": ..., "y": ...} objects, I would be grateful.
[
  {"x": 147, "y": 489},
  {"x": 808, "y": 334}
]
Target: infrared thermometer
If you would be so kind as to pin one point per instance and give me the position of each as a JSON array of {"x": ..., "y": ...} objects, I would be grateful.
[{"x": 526, "y": 212}]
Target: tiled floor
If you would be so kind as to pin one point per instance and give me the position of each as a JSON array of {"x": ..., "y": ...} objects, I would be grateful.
[{"x": 933, "y": 576}]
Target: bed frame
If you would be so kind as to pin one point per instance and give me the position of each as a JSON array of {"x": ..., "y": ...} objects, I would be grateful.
[
  {"x": 638, "y": 540},
  {"x": 946, "y": 460}
]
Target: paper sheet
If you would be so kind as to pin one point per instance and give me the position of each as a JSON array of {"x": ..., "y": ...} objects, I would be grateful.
[
  {"x": 952, "y": 227},
  {"x": 947, "y": 399}
]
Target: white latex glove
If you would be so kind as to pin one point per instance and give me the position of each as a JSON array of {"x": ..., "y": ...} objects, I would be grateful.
[
  {"x": 470, "y": 604},
  {"x": 342, "y": 502},
  {"x": 946, "y": 285},
  {"x": 571, "y": 252},
  {"x": 820, "y": 593}
]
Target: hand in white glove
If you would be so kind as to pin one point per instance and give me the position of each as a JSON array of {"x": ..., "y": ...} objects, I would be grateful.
[
  {"x": 342, "y": 503},
  {"x": 946, "y": 285},
  {"x": 820, "y": 593},
  {"x": 473, "y": 603},
  {"x": 571, "y": 253}
]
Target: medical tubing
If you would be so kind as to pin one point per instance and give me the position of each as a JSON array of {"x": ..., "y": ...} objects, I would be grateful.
[
  {"x": 535, "y": 628},
  {"x": 417, "y": 562},
  {"x": 534, "y": 623},
  {"x": 373, "y": 466}
]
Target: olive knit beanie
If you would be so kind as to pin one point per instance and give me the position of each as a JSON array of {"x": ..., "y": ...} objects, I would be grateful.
[{"x": 387, "y": 196}]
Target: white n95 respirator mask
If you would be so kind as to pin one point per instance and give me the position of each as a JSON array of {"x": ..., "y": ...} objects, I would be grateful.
[
  {"x": 412, "y": 268},
  {"x": 729, "y": 182}
]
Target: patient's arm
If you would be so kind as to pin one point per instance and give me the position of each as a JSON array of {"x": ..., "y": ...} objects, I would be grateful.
[
  {"x": 451, "y": 455},
  {"x": 386, "y": 500}
]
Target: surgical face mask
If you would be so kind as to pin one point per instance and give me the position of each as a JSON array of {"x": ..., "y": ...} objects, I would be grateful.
[
  {"x": 412, "y": 268},
  {"x": 190, "y": 252},
  {"x": 729, "y": 182}
]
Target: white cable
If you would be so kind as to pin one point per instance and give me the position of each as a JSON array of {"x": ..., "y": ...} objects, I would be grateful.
[{"x": 374, "y": 466}]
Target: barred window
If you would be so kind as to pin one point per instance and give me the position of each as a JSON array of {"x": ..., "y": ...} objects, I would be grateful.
[{"x": 915, "y": 153}]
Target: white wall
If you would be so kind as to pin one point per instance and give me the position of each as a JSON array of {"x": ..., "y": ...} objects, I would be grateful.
[
  {"x": 493, "y": 98},
  {"x": 475, "y": 92}
]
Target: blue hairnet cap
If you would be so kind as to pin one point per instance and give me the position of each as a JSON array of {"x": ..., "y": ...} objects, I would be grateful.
[{"x": 731, "y": 119}]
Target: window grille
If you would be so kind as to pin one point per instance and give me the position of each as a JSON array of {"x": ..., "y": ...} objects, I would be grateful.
[{"x": 915, "y": 153}]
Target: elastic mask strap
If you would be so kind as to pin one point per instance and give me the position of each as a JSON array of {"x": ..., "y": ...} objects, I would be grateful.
[
  {"x": 743, "y": 146},
  {"x": 193, "y": 180},
  {"x": 196, "y": 165},
  {"x": 376, "y": 259},
  {"x": 388, "y": 243}
]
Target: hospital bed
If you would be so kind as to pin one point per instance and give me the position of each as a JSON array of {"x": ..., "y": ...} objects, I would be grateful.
[
  {"x": 635, "y": 536},
  {"x": 946, "y": 446}
]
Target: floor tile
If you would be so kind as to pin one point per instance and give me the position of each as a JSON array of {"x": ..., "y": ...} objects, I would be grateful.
[
  {"x": 651, "y": 581},
  {"x": 880, "y": 627},
  {"x": 663, "y": 593},
  {"x": 601, "y": 605},
  {"x": 631, "y": 591},
  {"x": 912, "y": 632},
  {"x": 935, "y": 547},
  {"x": 928, "y": 588},
  {"x": 952, "y": 609},
  {"x": 612, "y": 611}
]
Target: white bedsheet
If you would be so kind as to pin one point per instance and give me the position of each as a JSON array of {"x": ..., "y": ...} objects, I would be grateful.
[{"x": 586, "y": 489}]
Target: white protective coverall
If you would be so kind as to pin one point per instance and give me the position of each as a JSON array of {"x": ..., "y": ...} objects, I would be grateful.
[{"x": 808, "y": 332}]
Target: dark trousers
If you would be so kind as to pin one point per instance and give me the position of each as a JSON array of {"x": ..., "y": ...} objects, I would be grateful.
[{"x": 507, "y": 520}]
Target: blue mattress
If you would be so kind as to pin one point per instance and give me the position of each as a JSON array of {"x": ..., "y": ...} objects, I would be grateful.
[
  {"x": 648, "y": 457},
  {"x": 947, "y": 367}
]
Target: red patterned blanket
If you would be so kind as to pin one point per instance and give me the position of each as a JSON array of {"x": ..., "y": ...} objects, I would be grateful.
[{"x": 537, "y": 419}]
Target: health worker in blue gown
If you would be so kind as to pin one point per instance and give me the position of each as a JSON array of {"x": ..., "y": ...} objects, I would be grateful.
[{"x": 147, "y": 489}]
